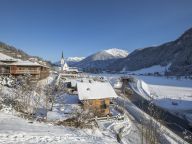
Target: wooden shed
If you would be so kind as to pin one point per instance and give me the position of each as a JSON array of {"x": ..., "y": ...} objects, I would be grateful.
[{"x": 96, "y": 96}]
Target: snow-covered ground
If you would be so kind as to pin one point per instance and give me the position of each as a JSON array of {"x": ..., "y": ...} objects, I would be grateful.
[
  {"x": 172, "y": 98},
  {"x": 172, "y": 81},
  {"x": 168, "y": 97},
  {"x": 155, "y": 80},
  {"x": 177, "y": 100},
  {"x": 152, "y": 69},
  {"x": 138, "y": 115},
  {"x": 15, "y": 130},
  {"x": 125, "y": 128},
  {"x": 164, "y": 91},
  {"x": 64, "y": 107}
]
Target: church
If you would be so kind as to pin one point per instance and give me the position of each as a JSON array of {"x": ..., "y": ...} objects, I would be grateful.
[
  {"x": 65, "y": 68},
  {"x": 64, "y": 65}
]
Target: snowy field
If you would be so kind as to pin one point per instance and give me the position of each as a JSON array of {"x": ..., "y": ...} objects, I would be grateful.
[
  {"x": 174, "y": 98},
  {"x": 154, "y": 80},
  {"x": 177, "y": 100},
  {"x": 15, "y": 130},
  {"x": 168, "y": 97},
  {"x": 166, "y": 81},
  {"x": 64, "y": 107}
]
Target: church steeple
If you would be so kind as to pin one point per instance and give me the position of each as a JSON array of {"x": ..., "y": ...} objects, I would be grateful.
[
  {"x": 62, "y": 55},
  {"x": 64, "y": 65},
  {"x": 62, "y": 59}
]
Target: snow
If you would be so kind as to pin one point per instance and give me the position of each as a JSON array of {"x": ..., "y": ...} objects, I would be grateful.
[
  {"x": 114, "y": 127},
  {"x": 166, "y": 81},
  {"x": 75, "y": 59},
  {"x": 168, "y": 97},
  {"x": 15, "y": 130},
  {"x": 141, "y": 88},
  {"x": 145, "y": 87},
  {"x": 64, "y": 107},
  {"x": 144, "y": 118},
  {"x": 152, "y": 69},
  {"x": 117, "y": 52},
  {"x": 165, "y": 96},
  {"x": 95, "y": 90},
  {"x": 118, "y": 85},
  {"x": 20, "y": 62},
  {"x": 4, "y": 57},
  {"x": 25, "y": 63}
]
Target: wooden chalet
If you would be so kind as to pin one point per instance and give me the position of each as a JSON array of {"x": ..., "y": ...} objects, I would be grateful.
[
  {"x": 16, "y": 67},
  {"x": 96, "y": 96}
]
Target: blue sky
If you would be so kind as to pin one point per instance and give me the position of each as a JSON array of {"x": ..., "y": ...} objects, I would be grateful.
[{"x": 82, "y": 27}]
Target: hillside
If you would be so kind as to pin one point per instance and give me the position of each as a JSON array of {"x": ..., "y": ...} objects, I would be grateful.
[
  {"x": 18, "y": 53},
  {"x": 177, "y": 54}
]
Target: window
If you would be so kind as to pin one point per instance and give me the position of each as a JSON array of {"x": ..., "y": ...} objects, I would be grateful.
[{"x": 103, "y": 105}]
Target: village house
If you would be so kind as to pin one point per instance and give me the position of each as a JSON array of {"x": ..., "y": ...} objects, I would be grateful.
[
  {"x": 16, "y": 67},
  {"x": 96, "y": 96}
]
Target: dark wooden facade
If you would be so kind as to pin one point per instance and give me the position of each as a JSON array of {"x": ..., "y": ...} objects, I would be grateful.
[
  {"x": 36, "y": 72},
  {"x": 99, "y": 106}
]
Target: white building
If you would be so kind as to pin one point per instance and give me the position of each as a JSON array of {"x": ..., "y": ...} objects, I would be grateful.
[
  {"x": 65, "y": 68},
  {"x": 64, "y": 65}
]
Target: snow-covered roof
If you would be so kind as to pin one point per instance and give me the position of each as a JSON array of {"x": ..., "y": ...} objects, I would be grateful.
[
  {"x": 95, "y": 90},
  {"x": 4, "y": 57},
  {"x": 25, "y": 63}
]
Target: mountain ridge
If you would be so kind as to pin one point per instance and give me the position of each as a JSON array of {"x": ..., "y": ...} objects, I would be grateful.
[
  {"x": 177, "y": 52},
  {"x": 98, "y": 61}
]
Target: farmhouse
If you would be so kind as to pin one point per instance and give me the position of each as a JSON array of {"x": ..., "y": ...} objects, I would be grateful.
[
  {"x": 16, "y": 67},
  {"x": 96, "y": 96}
]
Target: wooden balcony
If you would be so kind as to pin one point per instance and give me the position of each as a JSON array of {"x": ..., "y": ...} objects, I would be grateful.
[
  {"x": 4, "y": 71},
  {"x": 25, "y": 71}
]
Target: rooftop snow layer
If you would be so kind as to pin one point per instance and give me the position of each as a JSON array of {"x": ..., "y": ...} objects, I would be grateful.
[
  {"x": 25, "y": 63},
  {"x": 95, "y": 90},
  {"x": 4, "y": 57}
]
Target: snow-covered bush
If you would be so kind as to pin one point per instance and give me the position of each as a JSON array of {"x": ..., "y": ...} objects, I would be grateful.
[
  {"x": 81, "y": 119},
  {"x": 8, "y": 81}
]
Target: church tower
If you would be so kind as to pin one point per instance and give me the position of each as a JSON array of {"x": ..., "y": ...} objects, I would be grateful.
[
  {"x": 64, "y": 66},
  {"x": 62, "y": 60}
]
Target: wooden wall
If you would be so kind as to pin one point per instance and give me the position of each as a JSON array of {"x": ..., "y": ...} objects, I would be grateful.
[{"x": 99, "y": 106}]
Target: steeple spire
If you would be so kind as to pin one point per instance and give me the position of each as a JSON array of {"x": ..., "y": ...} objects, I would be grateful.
[{"x": 62, "y": 55}]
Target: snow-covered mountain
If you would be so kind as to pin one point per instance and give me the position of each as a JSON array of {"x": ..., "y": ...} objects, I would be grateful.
[
  {"x": 100, "y": 60},
  {"x": 74, "y": 59},
  {"x": 71, "y": 61},
  {"x": 117, "y": 52}
]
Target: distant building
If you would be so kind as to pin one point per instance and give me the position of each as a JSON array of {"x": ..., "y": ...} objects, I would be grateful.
[
  {"x": 96, "y": 96},
  {"x": 65, "y": 68},
  {"x": 16, "y": 67}
]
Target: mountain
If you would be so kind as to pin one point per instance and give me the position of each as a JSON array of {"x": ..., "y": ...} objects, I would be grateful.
[
  {"x": 71, "y": 61},
  {"x": 177, "y": 54},
  {"x": 20, "y": 54},
  {"x": 100, "y": 60}
]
